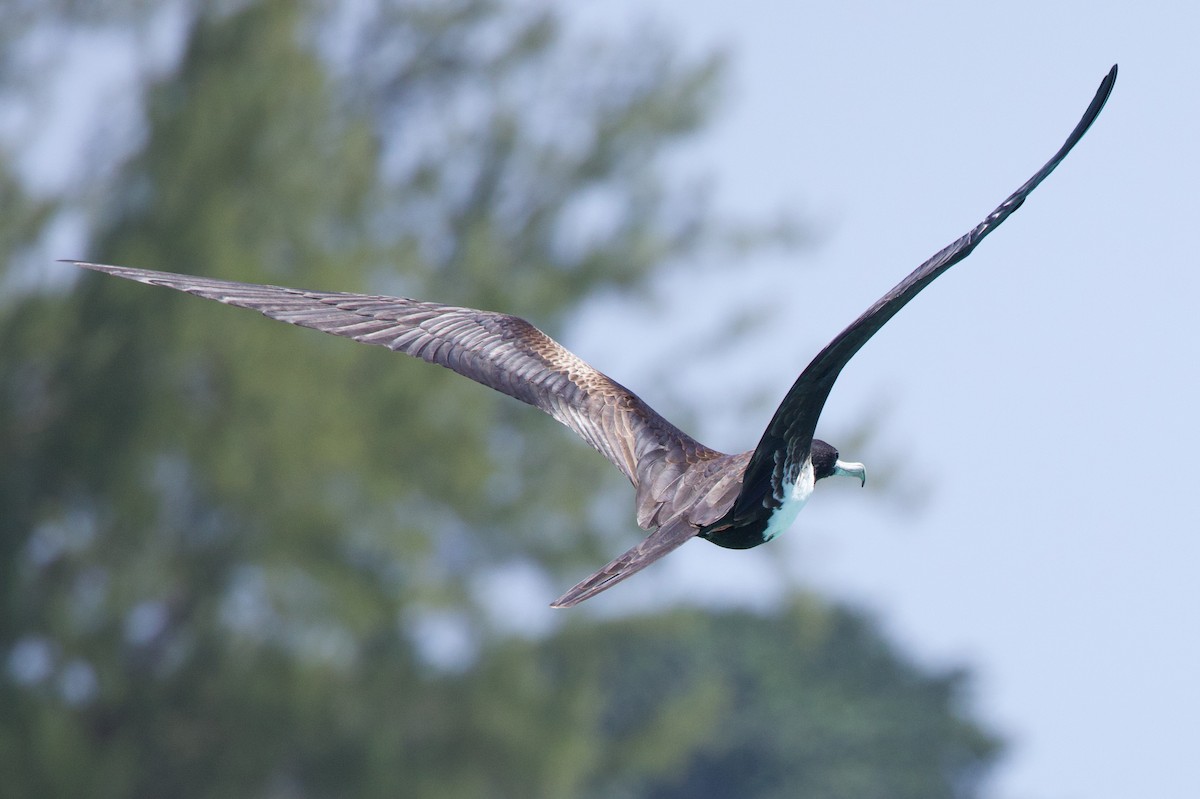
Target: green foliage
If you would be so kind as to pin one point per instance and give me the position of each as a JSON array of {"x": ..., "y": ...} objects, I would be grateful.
[
  {"x": 219, "y": 536},
  {"x": 801, "y": 702}
]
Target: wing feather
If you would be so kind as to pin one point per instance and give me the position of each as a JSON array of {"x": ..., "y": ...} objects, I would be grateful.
[
  {"x": 788, "y": 438},
  {"x": 500, "y": 351}
]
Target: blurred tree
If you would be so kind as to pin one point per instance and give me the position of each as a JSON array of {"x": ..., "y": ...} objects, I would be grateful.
[
  {"x": 802, "y": 701},
  {"x": 218, "y": 550}
]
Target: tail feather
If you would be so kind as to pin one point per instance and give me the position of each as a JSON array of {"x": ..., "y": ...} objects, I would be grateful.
[{"x": 669, "y": 537}]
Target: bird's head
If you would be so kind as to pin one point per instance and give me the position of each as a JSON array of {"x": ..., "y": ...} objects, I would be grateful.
[{"x": 826, "y": 463}]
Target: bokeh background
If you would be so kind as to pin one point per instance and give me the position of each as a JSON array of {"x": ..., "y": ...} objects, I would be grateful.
[{"x": 240, "y": 558}]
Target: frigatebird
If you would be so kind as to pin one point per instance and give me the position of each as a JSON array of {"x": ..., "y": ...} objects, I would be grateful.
[{"x": 684, "y": 489}]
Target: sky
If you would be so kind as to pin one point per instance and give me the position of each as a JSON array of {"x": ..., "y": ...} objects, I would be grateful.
[
  {"x": 1041, "y": 394},
  {"x": 1037, "y": 400}
]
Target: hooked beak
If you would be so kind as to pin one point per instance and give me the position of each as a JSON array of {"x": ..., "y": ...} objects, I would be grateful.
[{"x": 851, "y": 470}]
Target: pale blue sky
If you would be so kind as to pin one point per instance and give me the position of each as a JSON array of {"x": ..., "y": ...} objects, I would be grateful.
[{"x": 1044, "y": 390}]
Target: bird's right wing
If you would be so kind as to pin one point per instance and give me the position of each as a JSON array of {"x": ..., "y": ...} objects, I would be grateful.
[
  {"x": 788, "y": 438},
  {"x": 503, "y": 352}
]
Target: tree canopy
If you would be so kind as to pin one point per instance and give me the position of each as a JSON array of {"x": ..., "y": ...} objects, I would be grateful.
[{"x": 222, "y": 540}]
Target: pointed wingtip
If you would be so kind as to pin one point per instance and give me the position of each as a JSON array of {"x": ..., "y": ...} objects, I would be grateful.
[{"x": 92, "y": 265}]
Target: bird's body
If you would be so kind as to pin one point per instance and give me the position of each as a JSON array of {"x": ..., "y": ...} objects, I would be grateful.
[{"x": 683, "y": 488}]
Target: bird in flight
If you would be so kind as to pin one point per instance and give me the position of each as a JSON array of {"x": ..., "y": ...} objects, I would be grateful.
[{"x": 683, "y": 488}]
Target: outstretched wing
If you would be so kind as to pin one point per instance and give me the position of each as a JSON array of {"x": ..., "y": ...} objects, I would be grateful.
[
  {"x": 785, "y": 444},
  {"x": 500, "y": 351},
  {"x": 665, "y": 539}
]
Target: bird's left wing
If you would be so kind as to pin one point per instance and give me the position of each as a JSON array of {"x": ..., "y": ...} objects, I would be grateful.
[
  {"x": 788, "y": 438},
  {"x": 503, "y": 352}
]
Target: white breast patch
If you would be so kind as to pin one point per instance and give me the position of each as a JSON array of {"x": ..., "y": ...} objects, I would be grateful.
[{"x": 793, "y": 501}]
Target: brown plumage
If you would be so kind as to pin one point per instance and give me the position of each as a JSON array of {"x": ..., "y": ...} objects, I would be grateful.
[{"x": 684, "y": 489}]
